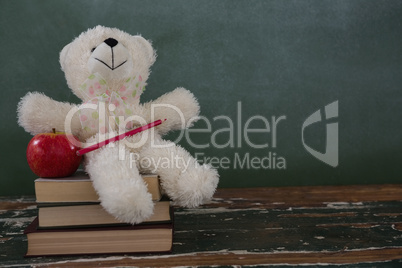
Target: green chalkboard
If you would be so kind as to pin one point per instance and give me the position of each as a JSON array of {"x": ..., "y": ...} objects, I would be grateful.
[{"x": 291, "y": 92}]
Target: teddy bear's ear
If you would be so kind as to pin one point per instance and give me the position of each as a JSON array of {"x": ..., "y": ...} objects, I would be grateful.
[
  {"x": 63, "y": 56},
  {"x": 149, "y": 53}
]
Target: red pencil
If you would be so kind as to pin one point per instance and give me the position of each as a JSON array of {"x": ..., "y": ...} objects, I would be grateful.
[{"x": 117, "y": 138}]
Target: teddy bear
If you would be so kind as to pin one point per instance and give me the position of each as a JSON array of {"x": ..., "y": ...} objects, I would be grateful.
[{"x": 107, "y": 69}]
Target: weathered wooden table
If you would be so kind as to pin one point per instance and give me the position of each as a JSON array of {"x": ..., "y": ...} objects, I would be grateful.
[{"x": 354, "y": 226}]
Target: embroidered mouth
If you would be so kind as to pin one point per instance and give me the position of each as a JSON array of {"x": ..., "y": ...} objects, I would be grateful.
[
  {"x": 107, "y": 65},
  {"x": 111, "y": 67}
]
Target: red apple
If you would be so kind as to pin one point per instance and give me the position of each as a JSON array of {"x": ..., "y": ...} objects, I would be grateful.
[{"x": 52, "y": 155}]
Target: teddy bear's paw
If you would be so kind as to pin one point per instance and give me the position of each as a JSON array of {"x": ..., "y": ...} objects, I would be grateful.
[
  {"x": 195, "y": 187},
  {"x": 179, "y": 107},
  {"x": 129, "y": 204},
  {"x": 37, "y": 113},
  {"x": 187, "y": 103}
]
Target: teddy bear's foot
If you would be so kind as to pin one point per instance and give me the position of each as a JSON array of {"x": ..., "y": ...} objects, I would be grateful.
[
  {"x": 186, "y": 182},
  {"x": 195, "y": 186},
  {"x": 120, "y": 187}
]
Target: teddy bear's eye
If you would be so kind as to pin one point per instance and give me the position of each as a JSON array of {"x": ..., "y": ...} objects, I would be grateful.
[{"x": 92, "y": 50}]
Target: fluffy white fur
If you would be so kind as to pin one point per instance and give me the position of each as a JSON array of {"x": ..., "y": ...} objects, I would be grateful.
[{"x": 118, "y": 182}]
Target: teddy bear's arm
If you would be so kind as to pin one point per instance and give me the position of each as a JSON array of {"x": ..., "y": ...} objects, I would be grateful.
[
  {"x": 38, "y": 113},
  {"x": 179, "y": 107}
]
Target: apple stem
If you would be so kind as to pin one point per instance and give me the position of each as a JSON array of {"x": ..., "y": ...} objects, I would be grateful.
[{"x": 54, "y": 130}]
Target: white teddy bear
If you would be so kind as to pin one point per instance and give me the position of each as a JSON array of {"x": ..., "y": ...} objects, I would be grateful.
[{"x": 108, "y": 68}]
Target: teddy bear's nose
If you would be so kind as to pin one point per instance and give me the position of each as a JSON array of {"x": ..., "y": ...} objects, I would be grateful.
[{"x": 111, "y": 42}]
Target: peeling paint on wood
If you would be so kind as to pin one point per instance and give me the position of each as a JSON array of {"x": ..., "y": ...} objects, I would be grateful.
[
  {"x": 319, "y": 215},
  {"x": 4, "y": 239},
  {"x": 346, "y": 226},
  {"x": 226, "y": 257}
]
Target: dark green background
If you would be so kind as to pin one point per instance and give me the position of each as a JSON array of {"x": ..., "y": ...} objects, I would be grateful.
[{"x": 277, "y": 58}]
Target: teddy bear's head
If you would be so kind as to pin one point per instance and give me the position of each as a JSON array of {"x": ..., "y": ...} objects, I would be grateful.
[{"x": 109, "y": 52}]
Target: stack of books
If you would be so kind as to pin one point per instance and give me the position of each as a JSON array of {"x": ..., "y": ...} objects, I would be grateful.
[{"x": 71, "y": 221}]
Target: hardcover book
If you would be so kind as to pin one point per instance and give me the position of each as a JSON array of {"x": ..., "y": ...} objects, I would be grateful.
[
  {"x": 103, "y": 240},
  {"x": 78, "y": 188},
  {"x": 93, "y": 215}
]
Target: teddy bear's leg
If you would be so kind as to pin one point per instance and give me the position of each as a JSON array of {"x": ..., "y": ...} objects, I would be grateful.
[
  {"x": 120, "y": 187},
  {"x": 183, "y": 179}
]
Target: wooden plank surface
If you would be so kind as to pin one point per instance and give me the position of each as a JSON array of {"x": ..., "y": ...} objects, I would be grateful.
[{"x": 350, "y": 226}]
